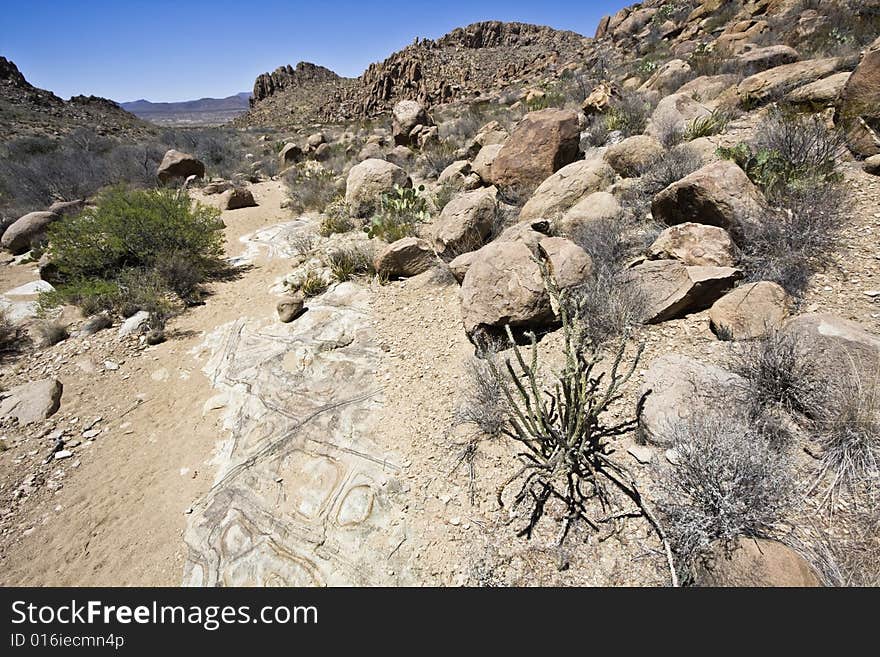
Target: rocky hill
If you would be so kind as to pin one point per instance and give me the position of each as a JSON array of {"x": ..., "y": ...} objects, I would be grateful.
[
  {"x": 25, "y": 109},
  {"x": 467, "y": 62}
]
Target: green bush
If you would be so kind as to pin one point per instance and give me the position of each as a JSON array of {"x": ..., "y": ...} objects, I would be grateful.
[
  {"x": 706, "y": 126},
  {"x": 336, "y": 218},
  {"x": 400, "y": 212},
  {"x": 135, "y": 249}
]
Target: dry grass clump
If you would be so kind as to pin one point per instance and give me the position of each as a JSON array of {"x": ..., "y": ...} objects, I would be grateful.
[
  {"x": 336, "y": 219},
  {"x": 310, "y": 189},
  {"x": 51, "y": 332},
  {"x": 482, "y": 403},
  {"x": 348, "y": 262}
]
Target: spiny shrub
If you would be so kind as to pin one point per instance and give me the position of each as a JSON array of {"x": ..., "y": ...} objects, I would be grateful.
[
  {"x": 336, "y": 218},
  {"x": 400, "y": 213},
  {"x": 706, "y": 126},
  {"x": 131, "y": 238}
]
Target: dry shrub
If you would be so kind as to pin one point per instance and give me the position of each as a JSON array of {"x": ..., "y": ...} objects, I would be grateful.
[
  {"x": 728, "y": 482},
  {"x": 482, "y": 402},
  {"x": 348, "y": 262},
  {"x": 51, "y": 332}
]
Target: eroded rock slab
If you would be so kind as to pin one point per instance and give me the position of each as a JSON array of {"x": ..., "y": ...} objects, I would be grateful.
[{"x": 303, "y": 496}]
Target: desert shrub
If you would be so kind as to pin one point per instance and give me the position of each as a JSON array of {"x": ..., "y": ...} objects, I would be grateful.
[
  {"x": 336, "y": 218},
  {"x": 51, "y": 332},
  {"x": 222, "y": 150},
  {"x": 847, "y": 556},
  {"x": 549, "y": 99},
  {"x": 445, "y": 192},
  {"x": 401, "y": 211},
  {"x": 728, "y": 481},
  {"x": 779, "y": 375},
  {"x": 628, "y": 113},
  {"x": 11, "y": 334},
  {"x": 671, "y": 167},
  {"x": 309, "y": 188},
  {"x": 848, "y": 26},
  {"x": 705, "y": 60},
  {"x": 302, "y": 244},
  {"x": 313, "y": 284},
  {"x": 849, "y": 437},
  {"x": 346, "y": 263},
  {"x": 135, "y": 247},
  {"x": 436, "y": 156},
  {"x": 706, "y": 126},
  {"x": 789, "y": 245},
  {"x": 482, "y": 402}
]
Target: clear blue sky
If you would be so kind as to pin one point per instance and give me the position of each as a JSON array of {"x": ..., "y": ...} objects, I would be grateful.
[{"x": 167, "y": 51}]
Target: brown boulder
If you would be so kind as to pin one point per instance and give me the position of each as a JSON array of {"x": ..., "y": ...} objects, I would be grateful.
[
  {"x": 235, "y": 198},
  {"x": 694, "y": 245},
  {"x": 465, "y": 221},
  {"x": 179, "y": 165},
  {"x": 859, "y": 109},
  {"x": 408, "y": 256},
  {"x": 760, "y": 59},
  {"x": 754, "y": 562},
  {"x": 718, "y": 194},
  {"x": 26, "y": 231},
  {"x": 634, "y": 155},
  {"x": 31, "y": 402},
  {"x": 567, "y": 186},
  {"x": 671, "y": 289},
  {"x": 750, "y": 311},
  {"x": 542, "y": 143},
  {"x": 368, "y": 180},
  {"x": 778, "y": 81},
  {"x": 843, "y": 347}
]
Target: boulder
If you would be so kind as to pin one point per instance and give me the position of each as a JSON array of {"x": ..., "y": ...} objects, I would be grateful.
[
  {"x": 94, "y": 324},
  {"x": 753, "y": 562},
  {"x": 567, "y": 186},
  {"x": 672, "y": 289},
  {"x": 694, "y": 245},
  {"x": 633, "y": 156},
  {"x": 237, "y": 197},
  {"x": 750, "y": 311},
  {"x": 316, "y": 139},
  {"x": 216, "y": 187},
  {"x": 599, "y": 99},
  {"x": 408, "y": 256},
  {"x": 455, "y": 172},
  {"x": 760, "y": 59},
  {"x": 179, "y": 165},
  {"x": 290, "y": 307},
  {"x": 66, "y": 208},
  {"x": 859, "y": 108},
  {"x": 843, "y": 348},
  {"x": 718, "y": 194},
  {"x": 291, "y": 154},
  {"x": 707, "y": 88},
  {"x": 465, "y": 222},
  {"x": 406, "y": 115},
  {"x": 677, "y": 388},
  {"x": 673, "y": 115},
  {"x": 595, "y": 207},
  {"x": 776, "y": 82},
  {"x": 137, "y": 323},
  {"x": 26, "y": 231},
  {"x": 542, "y": 143},
  {"x": 668, "y": 77},
  {"x": 872, "y": 165},
  {"x": 821, "y": 93},
  {"x": 490, "y": 134},
  {"x": 503, "y": 284},
  {"x": 482, "y": 164},
  {"x": 368, "y": 180},
  {"x": 31, "y": 402},
  {"x": 459, "y": 265}
]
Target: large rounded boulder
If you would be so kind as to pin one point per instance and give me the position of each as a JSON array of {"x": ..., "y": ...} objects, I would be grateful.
[
  {"x": 859, "y": 108},
  {"x": 368, "y": 180},
  {"x": 26, "y": 231},
  {"x": 179, "y": 165},
  {"x": 566, "y": 187}
]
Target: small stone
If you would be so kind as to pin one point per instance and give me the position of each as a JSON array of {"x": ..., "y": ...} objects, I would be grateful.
[
  {"x": 455, "y": 521},
  {"x": 641, "y": 453},
  {"x": 672, "y": 456},
  {"x": 63, "y": 454},
  {"x": 110, "y": 365},
  {"x": 91, "y": 433}
]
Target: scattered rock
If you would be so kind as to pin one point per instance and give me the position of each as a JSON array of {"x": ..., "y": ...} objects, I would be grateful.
[
  {"x": 750, "y": 311},
  {"x": 673, "y": 115},
  {"x": 134, "y": 324},
  {"x": 564, "y": 188},
  {"x": 872, "y": 165},
  {"x": 31, "y": 402},
  {"x": 406, "y": 115},
  {"x": 290, "y": 307},
  {"x": 26, "y": 231},
  {"x": 718, "y": 194},
  {"x": 541, "y": 143},
  {"x": 236, "y": 198}
]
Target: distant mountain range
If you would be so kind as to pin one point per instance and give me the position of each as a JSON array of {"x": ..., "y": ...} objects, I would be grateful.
[{"x": 205, "y": 111}]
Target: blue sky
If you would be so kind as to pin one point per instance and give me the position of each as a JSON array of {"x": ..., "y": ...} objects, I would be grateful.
[{"x": 167, "y": 51}]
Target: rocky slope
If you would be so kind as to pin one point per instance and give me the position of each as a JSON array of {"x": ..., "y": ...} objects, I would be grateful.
[
  {"x": 25, "y": 109},
  {"x": 467, "y": 62}
]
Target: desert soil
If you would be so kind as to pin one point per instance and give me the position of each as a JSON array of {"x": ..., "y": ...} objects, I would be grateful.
[{"x": 133, "y": 505}]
